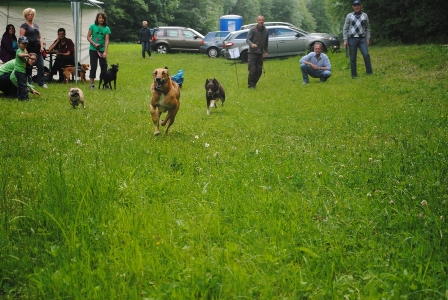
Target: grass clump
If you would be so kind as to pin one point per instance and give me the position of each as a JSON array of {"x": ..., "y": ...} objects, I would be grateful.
[{"x": 335, "y": 190}]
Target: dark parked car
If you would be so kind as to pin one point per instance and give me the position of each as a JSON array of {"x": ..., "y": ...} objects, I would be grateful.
[
  {"x": 212, "y": 43},
  {"x": 283, "y": 41},
  {"x": 173, "y": 38}
]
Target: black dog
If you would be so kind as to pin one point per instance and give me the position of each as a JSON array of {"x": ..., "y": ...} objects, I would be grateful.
[
  {"x": 108, "y": 76},
  {"x": 213, "y": 92}
]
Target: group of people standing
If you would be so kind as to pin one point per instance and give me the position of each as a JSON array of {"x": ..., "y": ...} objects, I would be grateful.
[
  {"x": 19, "y": 55},
  {"x": 316, "y": 64}
]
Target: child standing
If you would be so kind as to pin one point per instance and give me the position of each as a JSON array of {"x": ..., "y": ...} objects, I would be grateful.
[{"x": 20, "y": 69}]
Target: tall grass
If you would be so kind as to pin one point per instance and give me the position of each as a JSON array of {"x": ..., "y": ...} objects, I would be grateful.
[{"x": 324, "y": 191}]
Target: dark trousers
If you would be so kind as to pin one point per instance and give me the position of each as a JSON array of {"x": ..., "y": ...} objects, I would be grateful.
[
  {"x": 353, "y": 44},
  {"x": 146, "y": 47},
  {"x": 94, "y": 58},
  {"x": 255, "y": 67},
  {"x": 7, "y": 87},
  {"x": 22, "y": 89},
  {"x": 60, "y": 62}
]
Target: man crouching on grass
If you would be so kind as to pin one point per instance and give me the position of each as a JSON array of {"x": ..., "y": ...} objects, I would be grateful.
[{"x": 315, "y": 64}]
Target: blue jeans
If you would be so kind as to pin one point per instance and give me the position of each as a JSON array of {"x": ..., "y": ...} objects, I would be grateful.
[
  {"x": 146, "y": 47},
  {"x": 308, "y": 70},
  {"x": 40, "y": 69},
  {"x": 22, "y": 89},
  {"x": 353, "y": 44}
]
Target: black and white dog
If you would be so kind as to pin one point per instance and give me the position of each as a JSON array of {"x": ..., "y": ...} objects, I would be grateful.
[
  {"x": 108, "y": 76},
  {"x": 213, "y": 92}
]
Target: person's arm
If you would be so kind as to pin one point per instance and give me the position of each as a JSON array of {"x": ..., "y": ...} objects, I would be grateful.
[
  {"x": 70, "y": 48},
  {"x": 367, "y": 30},
  {"x": 22, "y": 31},
  {"x": 106, "y": 46},
  {"x": 52, "y": 46},
  {"x": 41, "y": 43},
  {"x": 250, "y": 35},
  {"x": 345, "y": 29},
  {"x": 89, "y": 38},
  {"x": 327, "y": 63},
  {"x": 266, "y": 44},
  {"x": 304, "y": 60}
]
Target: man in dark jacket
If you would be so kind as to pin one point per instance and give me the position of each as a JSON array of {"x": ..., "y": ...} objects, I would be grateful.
[
  {"x": 257, "y": 39},
  {"x": 145, "y": 39}
]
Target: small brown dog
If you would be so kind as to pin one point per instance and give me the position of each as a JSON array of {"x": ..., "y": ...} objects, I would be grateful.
[
  {"x": 69, "y": 70},
  {"x": 165, "y": 98},
  {"x": 76, "y": 97}
]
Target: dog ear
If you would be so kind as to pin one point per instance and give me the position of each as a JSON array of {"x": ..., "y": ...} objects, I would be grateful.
[
  {"x": 206, "y": 82},
  {"x": 166, "y": 67}
]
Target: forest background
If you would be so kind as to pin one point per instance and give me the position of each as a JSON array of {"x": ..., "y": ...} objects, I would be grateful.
[{"x": 402, "y": 21}]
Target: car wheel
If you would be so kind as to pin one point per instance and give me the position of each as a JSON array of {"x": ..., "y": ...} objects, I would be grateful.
[
  {"x": 162, "y": 49},
  {"x": 213, "y": 52},
  {"x": 244, "y": 57}
]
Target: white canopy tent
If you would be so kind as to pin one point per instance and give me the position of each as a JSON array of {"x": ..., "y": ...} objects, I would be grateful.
[{"x": 75, "y": 16}]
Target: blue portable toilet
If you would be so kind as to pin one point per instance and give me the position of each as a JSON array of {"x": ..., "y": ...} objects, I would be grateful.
[{"x": 230, "y": 22}]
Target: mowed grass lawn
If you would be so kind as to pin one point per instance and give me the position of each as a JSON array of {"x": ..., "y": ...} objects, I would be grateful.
[{"x": 325, "y": 191}]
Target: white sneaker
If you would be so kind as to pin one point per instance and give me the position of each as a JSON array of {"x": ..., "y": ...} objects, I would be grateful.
[{"x": 45, "y": 86}]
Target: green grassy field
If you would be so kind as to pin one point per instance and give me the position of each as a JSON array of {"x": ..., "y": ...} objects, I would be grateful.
[{"x": 325, "y": 191}]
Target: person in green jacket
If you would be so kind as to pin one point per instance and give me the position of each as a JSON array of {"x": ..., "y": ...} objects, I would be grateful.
[{"x": 8, "y": 79}]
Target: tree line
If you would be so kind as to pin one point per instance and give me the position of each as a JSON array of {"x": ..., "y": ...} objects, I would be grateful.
[{"x": 406, "y": 21}]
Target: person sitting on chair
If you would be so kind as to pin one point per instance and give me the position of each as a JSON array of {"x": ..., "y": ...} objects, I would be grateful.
[{"x": 65, "y": 55}]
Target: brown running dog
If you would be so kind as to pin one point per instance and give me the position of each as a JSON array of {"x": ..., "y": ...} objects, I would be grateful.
[
  {"x": 165, "y": 98},
  {"x": 81, "y": 72}
]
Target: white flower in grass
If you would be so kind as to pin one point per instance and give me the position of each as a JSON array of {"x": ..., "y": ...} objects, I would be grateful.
[
  {"x": 196, "y": 136},
  {"x": 420, "y": 215},
  {"x": 370, "y": 159},
  {"x": 216, "y": 154},
  {"x": 320, "y": 173},
  {"x": 424, "y": 203},
  {"x": 391, "y": 202},
  {"x": 78, "y": 142},
  {"x": 256, "y": 152},
  {"x": 341, "y": 176},
  {"x": 207, "y": 145},
  {"x": 369, "y": 195}
]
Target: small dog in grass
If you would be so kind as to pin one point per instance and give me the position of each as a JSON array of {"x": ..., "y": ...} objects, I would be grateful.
[
  {"x": 76, "y": 97},
  {"x": 109, "y": 76},
  {"x": 214, "y": 91}
]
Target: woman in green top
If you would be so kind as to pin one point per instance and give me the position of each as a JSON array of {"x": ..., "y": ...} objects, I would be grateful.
[{"x": 98, "y": 37}]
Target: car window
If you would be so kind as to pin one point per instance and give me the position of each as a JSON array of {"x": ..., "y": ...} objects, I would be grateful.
[
  {"x": 286, "y": 32},
  {"x": 242, "y": 36},
  {"x": 158, "y": 32},
  {"x": 272, "y": 32},
  {"x": 188, "y": 34},
  {"x": 222, "y": 35},
  {"x": 172, "y": 33}
]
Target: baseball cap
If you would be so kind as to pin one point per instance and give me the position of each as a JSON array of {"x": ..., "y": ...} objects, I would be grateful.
[
  {"x": 356, "y": 2},
  {"x": 23, "y": 40}
]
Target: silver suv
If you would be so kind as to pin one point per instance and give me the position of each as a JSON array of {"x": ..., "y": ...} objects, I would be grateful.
[{"x": 173, "y": 38}]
